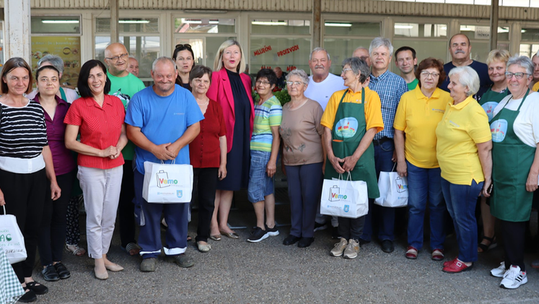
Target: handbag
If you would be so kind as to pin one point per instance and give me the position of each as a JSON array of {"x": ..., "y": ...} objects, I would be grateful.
[
  {"x": 345, "y": 198},
  {"x": 393, "y": 190},
  {"x": 11, "y": 238},
  {"x": 167, "y": 183}
]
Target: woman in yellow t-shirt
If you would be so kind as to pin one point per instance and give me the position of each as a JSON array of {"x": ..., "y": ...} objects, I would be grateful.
[
  {"x": 418, "y": 114},
  {"x": 463, "y": 150}
]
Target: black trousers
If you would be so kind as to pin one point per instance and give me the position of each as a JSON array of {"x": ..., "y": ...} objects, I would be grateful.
[
  {"x": 52, "y": 234},
  {"x": 25, "y": 197},
  {"x": 351, "y": 228},
  {"x": 205, "y": 180},
  {"x": 514, "y": 238},
  {"x": 126, "y": 207}
]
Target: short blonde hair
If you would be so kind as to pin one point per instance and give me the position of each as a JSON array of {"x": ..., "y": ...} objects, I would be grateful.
[
  {"x": 218, "y": 62},
  {"x": 498, "y": 55}
]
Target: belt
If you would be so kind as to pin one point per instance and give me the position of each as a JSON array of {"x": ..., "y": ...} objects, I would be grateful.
[{"x": 382, "y": 140}]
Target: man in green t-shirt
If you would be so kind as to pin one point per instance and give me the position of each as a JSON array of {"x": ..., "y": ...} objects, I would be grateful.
[
  {"x": 124, "y": 85},
  {"x": 406, "y": 61}
]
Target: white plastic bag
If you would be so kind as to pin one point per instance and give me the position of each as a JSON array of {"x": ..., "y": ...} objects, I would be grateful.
[
  {"x": 393, "y": 190},
  {"x": 11, "y": 239},
  {"x": 344, "y": 198},
  {"x": 167, "y": 183}
]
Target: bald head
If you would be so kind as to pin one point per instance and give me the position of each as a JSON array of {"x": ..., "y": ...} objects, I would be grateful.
[
  {"x": 116, "y": 58},
  {"x": 363, "y": 54}
]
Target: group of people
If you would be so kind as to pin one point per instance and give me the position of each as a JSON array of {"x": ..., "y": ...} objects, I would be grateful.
[{"x": 450, "y": 129}]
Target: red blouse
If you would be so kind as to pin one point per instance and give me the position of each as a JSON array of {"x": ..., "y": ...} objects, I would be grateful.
[
  {"x": 99, "y": 127},
  {"x": 204, "y": 150}
]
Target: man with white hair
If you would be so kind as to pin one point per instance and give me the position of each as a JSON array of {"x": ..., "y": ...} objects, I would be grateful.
[
  {"x": 390, "y": 88},
  {"x": 363, "y": 54},
  {"x": 322, "y": 84}
]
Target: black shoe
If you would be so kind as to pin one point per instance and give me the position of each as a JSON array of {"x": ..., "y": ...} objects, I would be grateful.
[
  {"x": 291, "y": 239},
  {"x": 28, "y": 296},
  {"x": 335, "y": 233},
  {"x": 305, "y": 242},
  {"x": 387, "y": 246},
  {"x": 50, "y": 274},
  {"x": 257, "y": 235},
  {"x": 318, "y": 226},
  {"x": 63, "y": 273},
  {"x": 272, "y": 231},
  {"x": 363, "y": 242},
  {"x": 37, "y": 288}
]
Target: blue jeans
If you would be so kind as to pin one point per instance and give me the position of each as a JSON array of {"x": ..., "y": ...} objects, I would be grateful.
[
  {"x": 461, "y": 200},
  {"x": 386, "y": 216},
  {"x": 425, "y": 184},
  {"x": 260, "y": 184}
]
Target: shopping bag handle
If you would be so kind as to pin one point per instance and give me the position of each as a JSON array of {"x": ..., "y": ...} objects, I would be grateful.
[
  {"x": 395, "y": 165},
  {"x": 4, "y": 209},
  {"x": 172, "y": 162},
  {"x": 348, "y": 178}
]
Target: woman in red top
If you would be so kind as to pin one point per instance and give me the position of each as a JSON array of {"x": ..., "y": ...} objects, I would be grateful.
[
  {"x": 207, "y": 153},
  {"x": 99, "y": 118}
]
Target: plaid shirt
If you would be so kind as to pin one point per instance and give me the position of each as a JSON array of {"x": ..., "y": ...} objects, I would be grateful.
[
  {"x": 390, "y": 88},
  {"x": 10, "y": 287}
]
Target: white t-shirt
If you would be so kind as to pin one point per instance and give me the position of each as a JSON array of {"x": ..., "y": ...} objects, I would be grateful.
[
  {"x": 322, "y": 91},
  {"x": 526, "y": 124}
]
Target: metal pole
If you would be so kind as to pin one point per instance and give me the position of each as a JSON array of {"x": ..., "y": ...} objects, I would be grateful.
[
  {"x": 114, "y": 27},
  {"x": 494, "y": 24},
  {"x": 317, "y": 9}
]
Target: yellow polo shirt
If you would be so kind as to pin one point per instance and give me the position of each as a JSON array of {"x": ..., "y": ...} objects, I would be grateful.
[
  {"x": 417, "y": 116},
  {"x": 373, "y": 108},
  {"x": 462, "y": 127},
  {"x": 535, "y": 87}
]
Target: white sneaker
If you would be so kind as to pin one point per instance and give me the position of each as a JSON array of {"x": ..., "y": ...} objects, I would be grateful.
[
  {"x": 499, "y": 271},
  {"x": 513, "y": 278},
  {"x": 339, "y": 248}
]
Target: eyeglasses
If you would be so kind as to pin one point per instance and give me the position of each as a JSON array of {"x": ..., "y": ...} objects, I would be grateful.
[
  {"x": 518, "y": 75},
  {"x": 183, "y": 46},
  {"x": 296, "y": 83},
  {"x": 116, "y": 58},
  {"x": 262, "y": 82},
  {"x": 427, "y": 74},
  {"x": 346, "y": 70}
]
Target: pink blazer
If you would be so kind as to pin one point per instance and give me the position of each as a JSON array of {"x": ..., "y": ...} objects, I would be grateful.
[{"x": 221, "y": 91}]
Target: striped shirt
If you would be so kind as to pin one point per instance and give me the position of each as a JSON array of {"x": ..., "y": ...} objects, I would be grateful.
[
  {"x": 23, "y": 132},
  {"x": 267, "y": 115},
  {"x": 390, "y": 88}
]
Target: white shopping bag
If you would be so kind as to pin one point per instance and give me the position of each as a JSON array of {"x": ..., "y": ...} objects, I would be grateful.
[
  {"x": 393, "y": 190},
  {"x": 344, "y": 198},
  {"x": 11, "y": 239},
  {"x": 167, "y": 183}
]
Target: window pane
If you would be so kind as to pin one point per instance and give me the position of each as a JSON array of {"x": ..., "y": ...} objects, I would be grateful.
[
  {"x": 68, "y": 48},
  {"x": 343, "y": 28},
  {"x": 420, "y": 30},
  {"x": 206, "y": 26},
  {"x": 483, "y": 32},
  {"x": 145, "y": 49},
  {"x": 530, "y": 34},
  {"x": 204, "y": 48},
  {"x": 340, "y": 49},
  {"x": 129, "y": 25},
  {"x": 285, "y": 53},
  {"x": 52, "y": 25},
  {"x": 280, "y": 27}
]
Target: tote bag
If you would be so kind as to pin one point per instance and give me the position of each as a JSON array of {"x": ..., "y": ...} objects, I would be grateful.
[
  {"x": 11, "y": 239},
  {"x": 167, "y": 183},
  {"x": 393, "y": 190},
  {"x": 344, "y": 198}
]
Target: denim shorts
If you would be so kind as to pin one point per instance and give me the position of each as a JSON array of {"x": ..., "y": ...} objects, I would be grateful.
[{"x": 260, "y": 184}]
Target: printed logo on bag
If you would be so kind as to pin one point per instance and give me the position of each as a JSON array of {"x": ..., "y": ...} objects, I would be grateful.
[
  {"x": 163, "y": 180},
  {"x": 335, "y": 194},
  {"x": 179, "y": 193},
  {"x": 5, "y": 237},
  {"x": 346, "y": 127},
  {"x": 401, "y": 186},
  {"x": 346, "y": 208},
  {"x": 498, "y": 128}
]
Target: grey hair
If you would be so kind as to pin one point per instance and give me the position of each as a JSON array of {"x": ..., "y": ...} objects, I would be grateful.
[
  {"x": 381, "y": 41},
  {"x": 467, "y": 77},
  {"x": 133, "y": 57},
  {"x": 54, "y": 60},
  {"x": 300, "y": 73},
  {"x": 359, "y": 67},
  {"x": 362, "y": 48},
  {"x": 319, "y": 49},
  {"x": 163, "y": 59},
  {"x": 523, "y": 62}
]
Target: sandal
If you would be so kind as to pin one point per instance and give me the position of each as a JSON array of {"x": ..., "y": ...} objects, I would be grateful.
[
  {"x": 75, "y": 250},
  {"x": 484, "y": 247}
]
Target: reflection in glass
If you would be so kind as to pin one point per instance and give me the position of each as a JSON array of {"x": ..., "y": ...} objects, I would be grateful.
[
  {"x": 129, "y": 25},
  {"x": 55, "y": 24},
  {"x": 206, "y": 26},
  {"x": 280, "y": 27}
]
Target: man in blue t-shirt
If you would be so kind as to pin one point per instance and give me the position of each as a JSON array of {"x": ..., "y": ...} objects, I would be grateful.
[
  {"x": 162, "y": 120},
  {"x": 460, "y": 48}
]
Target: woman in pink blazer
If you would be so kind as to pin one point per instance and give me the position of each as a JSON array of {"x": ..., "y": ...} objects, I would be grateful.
[{"x": 231, "y": 88}]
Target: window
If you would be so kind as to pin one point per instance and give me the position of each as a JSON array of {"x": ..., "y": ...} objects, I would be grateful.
[
  {"x": 420, "y": 30},
  {"x": 55, "y": 25},
  {"x": 529, "y": 44}
]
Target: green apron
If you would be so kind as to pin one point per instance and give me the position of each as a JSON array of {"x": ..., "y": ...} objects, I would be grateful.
[
  {"x": 348, "y": 130},
  {"x": 512, "y": 160},
  {"x": 490, "y": 100}
]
